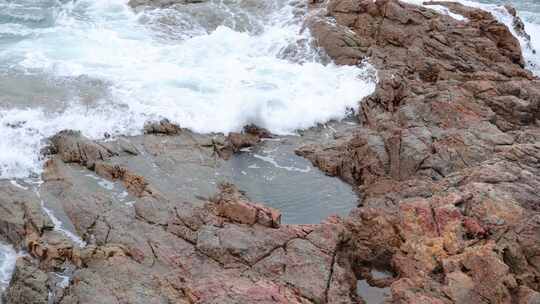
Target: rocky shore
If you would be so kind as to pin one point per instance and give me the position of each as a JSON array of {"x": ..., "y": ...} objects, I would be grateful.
[
  {"x": 447, "y": 155},
  {"x": 445, "y": 159}
]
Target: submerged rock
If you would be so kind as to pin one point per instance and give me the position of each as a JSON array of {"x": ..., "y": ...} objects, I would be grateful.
[{"x": 250, "y": 136}]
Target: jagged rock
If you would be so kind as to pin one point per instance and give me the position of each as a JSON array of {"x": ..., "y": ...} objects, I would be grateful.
[
  {"x": 235, "y": 141},
  {"x": 164, "y": 126},
  {"x": 528, "y": 296},
  {"x": 75, "y": 148},
  {"x": 220, "y": 250},
  {"x": 21, "y": 216},
  {"x": 518, "y": 24},
  {"x": 233, "y": 205},
  {"x": 134, "y": 183},
  {"x": 53, "y": 249},
  {"x": 257, "y": 131},
  {"x": 437, "y": 127}
]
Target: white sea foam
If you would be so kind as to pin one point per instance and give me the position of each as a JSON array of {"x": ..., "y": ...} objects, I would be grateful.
[
  {"x": 533, "y": 54},
  {"x": 8, "y": 258},
  {"x": 63, "y": 280},
  {"x": 216, "y": 80},
  {"x": 23, "y": 130},
  {"x": 439, "y": 8}
]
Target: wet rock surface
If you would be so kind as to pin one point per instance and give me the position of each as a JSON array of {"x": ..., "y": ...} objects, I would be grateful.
[
  {"x": 161, "y": 225},
  {"x": 163, "y": 126},
  {"x": 446, "y": 158},
  {"x": 29, "y": 284}
]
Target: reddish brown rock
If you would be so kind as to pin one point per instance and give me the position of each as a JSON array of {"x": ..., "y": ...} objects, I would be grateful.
[
  {"x": 235, "y": 141},
  {"x": 232, "y": 204},
  {"x": 445, "y": 156}
]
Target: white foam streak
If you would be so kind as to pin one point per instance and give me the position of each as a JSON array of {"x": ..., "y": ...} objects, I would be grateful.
[
  {"x": 532, "y": 53},
  {"x": 274, "y": 163},
  {"x": 58, "y": 226}
]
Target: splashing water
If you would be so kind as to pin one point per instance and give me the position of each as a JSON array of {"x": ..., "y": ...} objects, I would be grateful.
[
  {"x": 100, "y": 67},
  {"x": 8, "y": 258}
]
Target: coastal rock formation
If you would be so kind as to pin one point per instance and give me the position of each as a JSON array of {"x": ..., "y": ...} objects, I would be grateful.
[
  {"x": 160, "y": 248},
  {"x": 447, "y": 154},
  {"x": 73, "y": 148}
]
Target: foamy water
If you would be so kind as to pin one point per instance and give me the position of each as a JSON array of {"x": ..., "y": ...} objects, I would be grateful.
[
  {"x": 99, "y": 67},
  {"x": 8, "y": 258}
]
